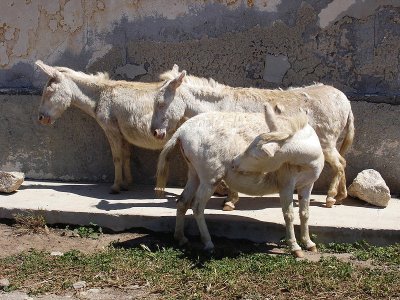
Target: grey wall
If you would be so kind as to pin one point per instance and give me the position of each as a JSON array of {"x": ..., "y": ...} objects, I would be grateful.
[{"x": 353, "y": 45}]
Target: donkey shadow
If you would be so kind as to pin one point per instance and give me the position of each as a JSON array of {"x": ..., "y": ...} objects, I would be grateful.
[
  {"x": 146, "y": 193},
  {"x": 224, "y": 247},
  {"x": 97, "y": 190},
  {"x": 215, "y": 203}
]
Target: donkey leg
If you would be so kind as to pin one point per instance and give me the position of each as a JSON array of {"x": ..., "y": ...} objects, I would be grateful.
[
  {"x": 333, "y": 157},
  {"x": 126, "y": 165},
  {"x": 342, "y": 190},
  {"x": 286, "y": 198},
  {"x": 232, "y": 197},
  {"x": 231, "y": 200},
  {"x": 304, "y": 212},
  {"x": 191, "y": 185},
  {"x": 115, "y": 141},
  {"x": 179, "y": 234},
  {"x": 183, "y": 204},
  {"x": 203, "y": 194}
]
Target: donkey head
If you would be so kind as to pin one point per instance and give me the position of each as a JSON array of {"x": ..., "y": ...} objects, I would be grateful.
[
  {"x": 168, "y": 109},
  {"x": 56, "y": 97},
  {"x": 261, "y": 154}
]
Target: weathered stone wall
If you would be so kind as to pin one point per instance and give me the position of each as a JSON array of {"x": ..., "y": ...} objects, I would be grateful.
[{"x": 353, "y": 45}]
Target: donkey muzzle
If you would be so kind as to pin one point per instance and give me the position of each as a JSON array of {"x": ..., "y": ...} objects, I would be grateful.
[
  {"x": 44, "y": 120},
  {"x": 160, "y": 133}
]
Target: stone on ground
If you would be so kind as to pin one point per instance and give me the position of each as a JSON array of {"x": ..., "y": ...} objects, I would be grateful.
[
  {"x": 10, "y": 181},
  {"x": 79, "y": 285},
  {"x": 369, "y": 186},
  {"x": 4, "y": 283}
]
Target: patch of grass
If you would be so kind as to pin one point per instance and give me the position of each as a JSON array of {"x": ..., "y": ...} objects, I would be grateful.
[
  {"x": 31, "y": 221},
  {"x": 190, "y": 275},
  {"x": 92, "y": 231},
  {"x": 388, "y": 255}
]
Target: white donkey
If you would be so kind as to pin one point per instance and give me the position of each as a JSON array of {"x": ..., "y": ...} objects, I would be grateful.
[
  {"x": 329, "y": 113},
  {"x": 287, "y": 157},
  {"x": 123, "y": 109}
]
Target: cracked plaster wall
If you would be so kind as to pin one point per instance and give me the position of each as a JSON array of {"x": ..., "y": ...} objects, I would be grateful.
[{"x": 351, "y": 44}]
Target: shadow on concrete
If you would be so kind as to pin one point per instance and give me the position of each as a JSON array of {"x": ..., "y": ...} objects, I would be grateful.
[
  {"x": 349, "y": 201},
  {"x": 215, "y": 203},
  {"x": 7, "y": 194},
  {"x": 109, "y": 205},
  {"x": 99, "y": 191}
]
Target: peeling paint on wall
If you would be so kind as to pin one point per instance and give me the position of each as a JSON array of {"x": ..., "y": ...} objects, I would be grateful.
[
  {"x": 276, "y": 67},
  {"x": 333, "y": 10},
  {"x": 130, "y": 71},
  {"x": 352, "y": 44},
  {"x": 351, "y": 8}
]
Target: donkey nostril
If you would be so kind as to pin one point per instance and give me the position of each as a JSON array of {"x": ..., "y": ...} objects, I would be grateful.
[
  {"x": 155, "y": 133},
  {"x": 40, "y": 117},
  {"x": 233, "y": 165}
]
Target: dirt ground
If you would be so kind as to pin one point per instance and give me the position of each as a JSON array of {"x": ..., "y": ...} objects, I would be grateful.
[{"x": 14, "y": 240}]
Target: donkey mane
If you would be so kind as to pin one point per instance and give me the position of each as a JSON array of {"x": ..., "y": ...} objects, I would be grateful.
[
  {"x": 212, "y": 86},
  {"x": 194, "y": 80},
  {"x": 103, "y": 79},
  {"x": 78, "y": 74}
]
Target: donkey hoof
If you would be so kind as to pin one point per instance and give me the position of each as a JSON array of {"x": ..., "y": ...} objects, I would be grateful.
[
  {"x": 313, "y": 249},
  {"x": 209, "y": 251},
  {"x": 182, "y": 241},
  {"x": 125, "y": 187},
  {"x": 114, "y": 190},
  {"x": 330, "y": 202},
  {"x": 339, "y": 202},
  {"x": 228, "y": 206},
  {"x": 298, "y": 253}
]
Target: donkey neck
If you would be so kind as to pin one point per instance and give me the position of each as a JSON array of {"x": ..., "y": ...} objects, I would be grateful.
[{"x": 85, "y": 96}]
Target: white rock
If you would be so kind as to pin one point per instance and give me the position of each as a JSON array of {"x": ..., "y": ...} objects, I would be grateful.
[
  {"x": 79, "y": 285},
  {"x": 4, "y": 282},
  {"x": 370, "y": 187},
  {"x": 56, "y": 253},
  {"x": 10, "y": 181}
]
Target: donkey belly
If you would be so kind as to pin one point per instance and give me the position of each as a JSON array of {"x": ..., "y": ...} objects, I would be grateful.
[
  {"x": 254, "y": 185},
  {"x": 140, "y": 135}
]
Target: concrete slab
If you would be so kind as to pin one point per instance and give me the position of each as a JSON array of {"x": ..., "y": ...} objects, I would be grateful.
[{"x": 258, "y": 219}]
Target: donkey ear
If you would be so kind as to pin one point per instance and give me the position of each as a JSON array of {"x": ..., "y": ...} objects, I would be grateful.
[
  {"x": 175, "y": 68},
  {"x": 270, "y": 117},
  {"x": 175, "y": 83},
  {"x": 279, "y": 109},
  {"x": 270, "y": 148},
  {"x": 49, "y": 70}
]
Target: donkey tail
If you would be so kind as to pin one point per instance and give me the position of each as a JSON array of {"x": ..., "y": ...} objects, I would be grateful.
[
  {"x": 349, "y": 137},
  {"x": 163, "y": 165}
]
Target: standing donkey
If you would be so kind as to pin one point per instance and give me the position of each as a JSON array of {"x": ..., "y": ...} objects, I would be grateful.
[
  {"x": 123, "y": 109},
  {"x": 329, "y": 113},
  {"x": 287, "y": 156}
]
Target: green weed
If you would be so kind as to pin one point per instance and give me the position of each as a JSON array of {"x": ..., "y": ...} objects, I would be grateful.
[{"x": 188, "y": 275}]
